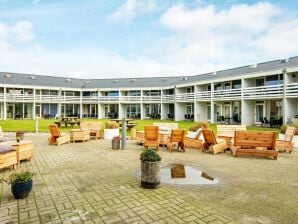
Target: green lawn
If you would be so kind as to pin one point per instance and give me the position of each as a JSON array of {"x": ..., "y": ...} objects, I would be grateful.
[{"x": 29, "y": 125}]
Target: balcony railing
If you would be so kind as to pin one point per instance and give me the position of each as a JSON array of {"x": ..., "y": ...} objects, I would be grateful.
[
  {"x": 47, "y": 98},
  {"x": 109, "y": 98},
  {"x": 227, "y": 94},
  {"x": 185, "y": 96},
  {"x": 92, "y": 99},
  {"x": 70, "y": 99},
  {"x": 19, "y": 97},
  {"x": 2, "y": 96},
  {"x": 203, "y": 96},
  {"x": 168, "y": 98},
  {"x": 130, "y": 98},
  {"x": 292, "y": 90},
  {"x": 152, "y": 98},
  {"x": 274, "y": 91}
]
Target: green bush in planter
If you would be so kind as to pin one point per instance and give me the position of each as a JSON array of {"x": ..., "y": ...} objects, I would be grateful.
[
  {"x": 150, "y": 156},
  {"x": 21, "y": 184}
]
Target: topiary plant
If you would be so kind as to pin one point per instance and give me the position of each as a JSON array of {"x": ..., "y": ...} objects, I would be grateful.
[{"x": 150, "y": 156}]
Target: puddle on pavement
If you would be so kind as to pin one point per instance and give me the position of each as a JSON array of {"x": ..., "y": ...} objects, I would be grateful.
[{"x": 184, "y": 174}]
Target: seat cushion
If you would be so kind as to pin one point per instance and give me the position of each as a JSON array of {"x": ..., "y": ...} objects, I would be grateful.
[{"x": 5, "y": 149}]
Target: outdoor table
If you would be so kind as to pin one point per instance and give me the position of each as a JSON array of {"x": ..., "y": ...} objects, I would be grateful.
[{"x": 127, "y": 120}]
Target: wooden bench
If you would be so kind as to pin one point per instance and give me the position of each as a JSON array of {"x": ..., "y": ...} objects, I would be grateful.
[
  {"x": 255, "y": 143},
  {"x": 227, "y": 132}
]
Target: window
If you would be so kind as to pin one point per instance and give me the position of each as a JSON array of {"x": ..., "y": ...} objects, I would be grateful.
[
  {"x": 236, "y": 84},
  {"x": 227, "y": 85},
  {"x": 260, "y": 82},
  {"x": 112, "y": 93},
  {"x": 272, "y": 80},
  {"x": 217, "y": 86}
]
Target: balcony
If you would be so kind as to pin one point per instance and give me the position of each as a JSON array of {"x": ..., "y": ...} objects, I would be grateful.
[
  {"x": 227, "y": 94},
  {"x": 47, "y": 98},
  {"x": 168, "y": 98},
  {"x": 130, "y": 99},
  {"x": 107, "y": 99},
  {"x": 1, "y": 96},
  {"x": 75, "y": 99},
  {"x": 185, "y": 97},
  {"x": 151, "y": 98},
  {"x": 19, "y": 97},
  {"x": 292, "y": 90},
  {"x": 89, "y": 99},
  {"x": 203, "y": 96},
  {"x": 263, "y": 92}
]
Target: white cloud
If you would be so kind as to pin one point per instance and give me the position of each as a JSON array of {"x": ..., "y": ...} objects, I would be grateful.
[
  {"x": 131, "y": 8},
  {"x": 236, "y": 36},
  {"x": 199, "y": 40},
  {"x": 20, "y": 32}
]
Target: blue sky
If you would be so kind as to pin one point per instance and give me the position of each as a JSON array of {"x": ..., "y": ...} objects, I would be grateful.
[{"x": 129, "y": 38}]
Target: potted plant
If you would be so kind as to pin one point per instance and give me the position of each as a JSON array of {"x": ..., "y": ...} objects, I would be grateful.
[
  {"x": 116, "y": 142},
  {"x": 150, "y": 169},
  {"x": 18, "y": 138},
  {"x": 21, "y": 184},
  {"x": 20, "y": 134}
]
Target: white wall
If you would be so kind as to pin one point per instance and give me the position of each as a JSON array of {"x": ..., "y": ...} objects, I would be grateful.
[
  {"x": 247, "y": 112},
  {"x": 180, "y": 110},
  {"x": 200, "y": 109},
  {"x": 291, "y": 108}
]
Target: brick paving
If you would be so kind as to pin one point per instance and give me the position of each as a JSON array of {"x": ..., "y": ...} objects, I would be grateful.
[{"x": 91, "y": 183}]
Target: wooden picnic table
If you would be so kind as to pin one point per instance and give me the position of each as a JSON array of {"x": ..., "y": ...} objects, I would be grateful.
[{"x": 68, "y": 121}]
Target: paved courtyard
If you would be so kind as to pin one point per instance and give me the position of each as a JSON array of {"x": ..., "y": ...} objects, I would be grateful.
[{"x": 91, "y": 183}]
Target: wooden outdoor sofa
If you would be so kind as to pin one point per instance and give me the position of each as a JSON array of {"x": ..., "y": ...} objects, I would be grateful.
[
  {"x": 93, "y": 127},
  {"x": 255, "y": 143}
]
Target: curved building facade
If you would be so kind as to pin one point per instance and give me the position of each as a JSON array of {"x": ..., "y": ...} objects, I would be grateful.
[{"x": 244, "y": 95}]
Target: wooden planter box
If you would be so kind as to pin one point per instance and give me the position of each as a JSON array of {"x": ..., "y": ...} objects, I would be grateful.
[
  {"x": 8, "y": 159},
  {"x": 23, "y": 150}
]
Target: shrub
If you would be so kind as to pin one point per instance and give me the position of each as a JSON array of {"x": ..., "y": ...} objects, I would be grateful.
[
  {"x": 112, "y": 125},
  {"x": 200, "y": 124},
  {"x": 150, "y": 156},
  {"x": 20, "y": 177},
  {"x": 283, "y": 129}
]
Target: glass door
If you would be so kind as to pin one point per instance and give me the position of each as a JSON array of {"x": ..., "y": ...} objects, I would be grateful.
[{"x": 259, "y": 112}]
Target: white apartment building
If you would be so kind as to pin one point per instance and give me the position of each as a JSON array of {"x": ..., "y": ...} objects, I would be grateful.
[{"x": 244, "y": 95}]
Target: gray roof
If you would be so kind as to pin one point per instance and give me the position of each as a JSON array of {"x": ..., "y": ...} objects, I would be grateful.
[{"x": 66, "y": 82}]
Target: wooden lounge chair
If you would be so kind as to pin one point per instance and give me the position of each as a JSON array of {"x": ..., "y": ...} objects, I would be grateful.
[
  {"x": 286, "y": 144},
  {"x": 151, "y": 138},
  {"x": 56, "y": 137},
  {"x": 193, "y": 140},
  {"x": 216, "y": 145},
  {"x": 255, "y": 143},
  {"x": 177, "y": 136}
]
